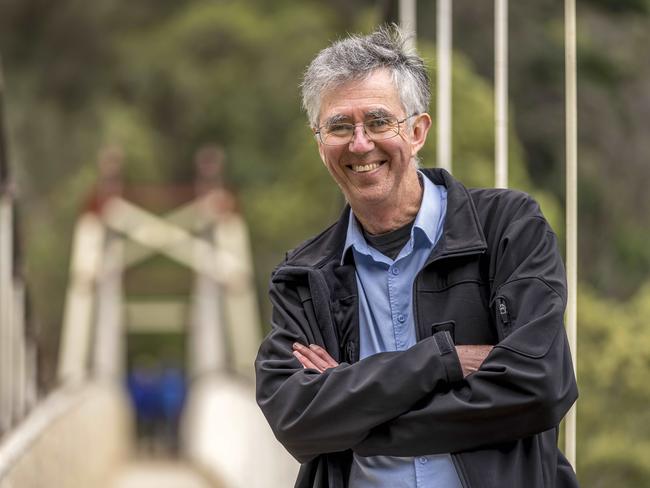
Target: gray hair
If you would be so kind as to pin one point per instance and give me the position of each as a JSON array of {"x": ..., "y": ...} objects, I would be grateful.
[{"x": 356, "y": 57}]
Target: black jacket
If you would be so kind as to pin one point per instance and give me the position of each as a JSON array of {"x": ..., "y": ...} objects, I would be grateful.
[{"x": 495, "y": 277}]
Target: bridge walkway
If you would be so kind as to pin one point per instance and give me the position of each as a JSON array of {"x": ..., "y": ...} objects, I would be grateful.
[{"x": 162, "y": 473}]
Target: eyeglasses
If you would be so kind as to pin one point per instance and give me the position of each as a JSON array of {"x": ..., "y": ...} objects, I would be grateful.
[{"x": 377, "y": 129}]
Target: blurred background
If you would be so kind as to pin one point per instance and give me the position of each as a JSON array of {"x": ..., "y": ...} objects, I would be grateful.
[{"x": 157, "y": 81}]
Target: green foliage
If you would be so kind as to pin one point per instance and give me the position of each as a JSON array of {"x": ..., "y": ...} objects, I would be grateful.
[
  {"x": 613, "y": 104},
  {"x": 160, "y": 78},
  {"x": 623, "y": 6},
  {"x": 613, "y": 415},
  {"x": 473, "y": 149}
]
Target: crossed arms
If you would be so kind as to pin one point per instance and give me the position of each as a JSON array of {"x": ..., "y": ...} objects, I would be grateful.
[
  {"x": 315, "y": 357},
  {"x": 423, "y": 400}
]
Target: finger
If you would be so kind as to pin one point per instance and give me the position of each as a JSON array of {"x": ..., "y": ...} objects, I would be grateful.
[
  {"x": 306, "y": 363},
  {"x": 312, "y": 356},
  {"x": 324, "y": 355}
]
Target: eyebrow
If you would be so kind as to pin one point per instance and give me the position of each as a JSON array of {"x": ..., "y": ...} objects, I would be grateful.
[
  {"x": 336, "y": 119},
  {"x": 377, "y": 113}
]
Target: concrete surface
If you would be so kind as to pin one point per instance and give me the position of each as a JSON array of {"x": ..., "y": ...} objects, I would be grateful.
[{"x": 160, "y": 474}]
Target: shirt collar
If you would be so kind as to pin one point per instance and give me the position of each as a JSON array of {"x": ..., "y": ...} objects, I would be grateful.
[{"x": 428, "y": 219}]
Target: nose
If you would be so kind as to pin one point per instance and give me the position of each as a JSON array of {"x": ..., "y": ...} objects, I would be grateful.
[{"x": 360, "y": 142}]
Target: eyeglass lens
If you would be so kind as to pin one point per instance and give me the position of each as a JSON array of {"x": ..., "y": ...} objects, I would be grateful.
[{"x": 375, "y": 129}]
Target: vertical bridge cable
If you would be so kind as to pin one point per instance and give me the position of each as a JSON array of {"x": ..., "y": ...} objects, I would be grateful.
[
  {"x": 408, "y": 20},
  {"x": 444, "y": 84},
  {"x": 4, "y": 163},
  {"x": 571, "y": 208},
  {"x": 6, "y": 279},
  {"x": 501, "y": 92},
  {"x": 6, "y": 311}
]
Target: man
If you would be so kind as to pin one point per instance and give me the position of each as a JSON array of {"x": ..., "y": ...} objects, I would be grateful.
[{"x": 419, "y": 341}]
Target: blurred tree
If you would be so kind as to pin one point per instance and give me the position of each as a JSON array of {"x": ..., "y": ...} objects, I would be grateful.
[
  {"x": 613, "y": 415},
  {"x": 161, "y": 78},
  {"x": 613, "y": 103}
]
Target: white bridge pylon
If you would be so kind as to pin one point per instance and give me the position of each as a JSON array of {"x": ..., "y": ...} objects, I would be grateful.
[
  {"x": 224, "y": 328},
  {"x": 169, "y": 236}
]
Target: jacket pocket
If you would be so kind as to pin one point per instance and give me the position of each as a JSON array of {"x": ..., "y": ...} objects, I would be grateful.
[{"x": 528, "y": 316}]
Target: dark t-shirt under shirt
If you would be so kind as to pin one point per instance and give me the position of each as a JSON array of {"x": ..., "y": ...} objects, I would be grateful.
[{"x": 390, "y": 243}]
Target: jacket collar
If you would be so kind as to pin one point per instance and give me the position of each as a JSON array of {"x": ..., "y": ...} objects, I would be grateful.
[{"x": 462, "y": 231}]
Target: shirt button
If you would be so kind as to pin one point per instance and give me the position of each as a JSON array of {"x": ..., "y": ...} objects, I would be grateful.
[
  {"x": 423, "y": 460},
  {"x": 395, "y": 271},
  {"x": 401, "y": 318}
]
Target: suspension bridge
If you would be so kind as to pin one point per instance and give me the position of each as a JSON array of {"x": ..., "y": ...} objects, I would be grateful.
[{"x": 83, "y": 432}]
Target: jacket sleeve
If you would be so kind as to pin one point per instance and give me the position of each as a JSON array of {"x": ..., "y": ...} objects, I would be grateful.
[
  {"x": 312, "y": 413},
  {"x": 525, "y": 385}
]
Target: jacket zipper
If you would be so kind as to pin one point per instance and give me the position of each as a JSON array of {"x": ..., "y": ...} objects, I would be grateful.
[
  {"x": 503, "y": 315},
  {"x": 350, "y": 352},
  {"x": 455, "y": 458},
  {"x": 460, "y": 470}
]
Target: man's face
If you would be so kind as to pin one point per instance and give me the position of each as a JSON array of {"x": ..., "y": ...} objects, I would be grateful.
[{"x": 372, "y": 173}]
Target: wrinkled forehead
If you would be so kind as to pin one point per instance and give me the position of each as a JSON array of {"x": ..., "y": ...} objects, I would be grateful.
[{"x": 374, "y": 93}]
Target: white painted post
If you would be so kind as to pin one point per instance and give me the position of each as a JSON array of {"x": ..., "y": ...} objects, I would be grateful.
[
  {"x": 408, "y": 20},
  {"x": 571, "y": 208},
  {"x": 444, "y": 35},
  {"x": 501, "y": 92},
  {"x": 206, "y": 341},
  {"x": 78, "y": 315},
  {"x": 241, "y": 310},
  {"x": 6, "y": 311},
  {"x": 20, "y": 376},
  {"x": 31, "y": 374},
  {"x": 108, "y": 352}
]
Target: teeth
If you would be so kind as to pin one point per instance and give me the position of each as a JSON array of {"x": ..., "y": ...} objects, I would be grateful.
[{"x": 365, "y": 167}]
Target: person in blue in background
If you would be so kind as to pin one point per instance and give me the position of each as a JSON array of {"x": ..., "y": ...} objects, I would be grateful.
[
  {"x": 143, "y": 383},
  {"x": 158, "y": 389},
  {"x": 173, "y": 390}
]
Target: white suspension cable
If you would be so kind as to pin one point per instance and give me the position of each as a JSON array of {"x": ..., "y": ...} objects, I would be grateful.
[
  {"x": 571, "y": 208},
  {"x": 408, "y": 19},
  {"x": 444, "y": 35},
  {"x": 501, "y": 92},
  {"x": 6, "y": 311}
]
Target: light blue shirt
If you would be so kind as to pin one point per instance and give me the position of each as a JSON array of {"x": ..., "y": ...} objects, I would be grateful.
[{"x": 386, "y": 323}]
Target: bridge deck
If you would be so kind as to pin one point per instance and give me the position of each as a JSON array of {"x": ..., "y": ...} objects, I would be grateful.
[{"x": 161, "y": 474}]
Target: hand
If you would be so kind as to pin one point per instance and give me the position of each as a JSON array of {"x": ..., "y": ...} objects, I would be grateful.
[
  {"x": 314, "y": 357},
  {"x": 471, "y": 357}
]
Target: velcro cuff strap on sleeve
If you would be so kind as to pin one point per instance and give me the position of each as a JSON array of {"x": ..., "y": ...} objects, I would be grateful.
[
  {"x": 448, "y": 356},
  {"x": 443, "y": 340}
]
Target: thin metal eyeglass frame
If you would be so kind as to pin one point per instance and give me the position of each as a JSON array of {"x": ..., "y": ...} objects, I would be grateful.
[{"x": 399, "y": 126}]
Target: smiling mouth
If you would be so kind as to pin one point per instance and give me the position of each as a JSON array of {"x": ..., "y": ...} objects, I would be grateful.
[{"x": 364, "y": 168}]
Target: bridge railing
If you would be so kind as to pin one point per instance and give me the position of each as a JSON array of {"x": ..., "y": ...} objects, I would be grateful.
[
  {"x": 45, "y": 443},
  {"x": 74, "y": 438},
  {"x": 17, "y": 349}
]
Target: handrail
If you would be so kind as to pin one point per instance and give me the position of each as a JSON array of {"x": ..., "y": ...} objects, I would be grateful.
[
  {"x": 60, "y": 429},
  {"x": 19, "y": 440}
]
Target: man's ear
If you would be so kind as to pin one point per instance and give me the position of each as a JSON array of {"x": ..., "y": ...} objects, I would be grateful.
[{"x": 420, "y": 130}]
